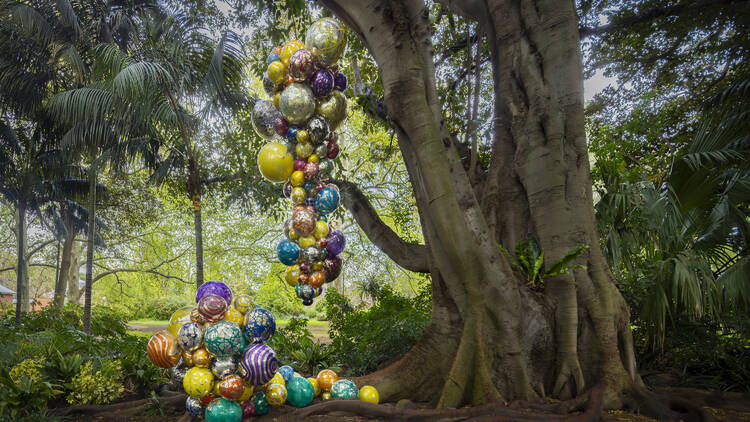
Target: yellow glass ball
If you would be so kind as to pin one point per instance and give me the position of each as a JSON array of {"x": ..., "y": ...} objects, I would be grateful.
[
  {"x": 247, "y": 393},
  {"x": 321, "y": 229},
  {"x": 318, "y": 265},
  {"x": 178, "y": 318},
  {"x": 313, "y": 158},
  {"x": 298, "y": 195},
  {"x": 276, "y": 71},
  {"x": 235, "y": 316},
  {"x": 293, "y": 234},
  {"x": 369, "y": 394},
  {"x": 243, "y": 303},
  {"x": 201, "y": 358},
  {"x": 215, "y": 391},
  {"x": 276, "y": 394},
  {"x": 187, "y": 357},
  {"x": 326, "y": 395},
  {"x": 276, "y": 98},
  {"x": 277, "y": 379},
  {"x": 198, "y": 382},
  {"x": 303, "y": 136},
  {"x": 316, "y": 387},
  {"x": 291, "y": 276},
  {"x": 306, "y": 241},
  {"x": 288, "y": 49},
  {"x": 297, "y": 178},
  {"x": 275, "y": 162},
  {"x": 304, "y": 150}
]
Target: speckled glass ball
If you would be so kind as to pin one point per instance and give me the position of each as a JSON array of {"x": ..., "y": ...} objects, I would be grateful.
[
  {"x": 318, "y": 130},
  {"x": 326, "y": 39},
  {"x": 212, "y": 307},
  {"x": 317, "y": 278},
  {"x": 311, "y": 170},
  {"x": 198, "y": 382},
  {"x": 344, "y": 389},
  {"x": 194, "y": 407},
  {"x": 340, "y": 81},
  {"x": 297, "y": 103},
  {"x": 287, "y": 250},
  {"x": 301, "y": 65},
  {"x": 276, "y": 394},
  {"x": 223, "y": 338},
  {"x": 223, "y": 410},
  {"x": 201, "y": 358},
  {"x": 332, "y": 267},
  {"x": 258, "y": 364},
  {"x": 248, "y": 409},
  {"x": 260, "y": 325},
  {"x": 327, "y": 200},
  {"x": 216, "y": 288},
  {"x": 263, "y": 116},
  {"x": 177, "y": 374},
  {"x": 223, "y": 366},
  {"x": 322, "y": 83},
  {"x": 333, "y": 109},
  {"x": 270, "y": 87},
  {"x": 280, "y": 125},
  {"x": 190, "y": 336},
  {"x": 326, "y": 378},
  {"x": 232, "y": 387},
  {"x": 309, "y": 254},
  {"x": 303, "y": 221},
  {"x": 332, "y": 150},
  {"x": 306, "y": 292},
  {"x": 261, "y": 404},
  {"x": 325, "y": 168}
]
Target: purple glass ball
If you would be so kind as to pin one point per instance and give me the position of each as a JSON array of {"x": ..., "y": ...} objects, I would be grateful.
[
  {"x": 340, "y": 81},
  {"x": 332, "y": 268},
  {"x": 336, "y": 243},
  {"x": 215, "y": 288},
  {"x": 322, "y": 83}
]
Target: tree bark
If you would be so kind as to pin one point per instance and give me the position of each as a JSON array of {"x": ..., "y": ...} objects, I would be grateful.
[
  {"x": 72, "y": 273},
  {"x": 198, "y": 224},
  {"x": 22, "y": 275},
  {"x": 64, "y": 269},
  {"x": 492, "y": 338},
  {"x": 90, "y": 249}
]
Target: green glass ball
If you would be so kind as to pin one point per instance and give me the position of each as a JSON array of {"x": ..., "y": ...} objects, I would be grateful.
[
  {"x": 261, "y": 404},
  {"x": 223, "y": 410},
  {"x": 299, "y": 392},
  {"x": 344, "y": 389}
]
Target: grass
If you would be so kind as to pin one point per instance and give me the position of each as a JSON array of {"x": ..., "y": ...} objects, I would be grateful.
[{"x": 147, "y": 321}]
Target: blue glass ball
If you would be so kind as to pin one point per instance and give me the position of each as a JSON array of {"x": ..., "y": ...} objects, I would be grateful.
[
  {"x": 327, "y": 201},
  {"x": 287, "y": 372},
  {"x": 194, "y": 407},
  {"x": 306, "y": 292},
  {"x": 291, "y": 134},
  {"x": 259, "y": 326},
  {"x": 273, "y": 57},
  {"x": 288, "y": 252}
]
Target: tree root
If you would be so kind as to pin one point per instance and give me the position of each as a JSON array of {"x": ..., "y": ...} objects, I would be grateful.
[
  {"x": 665, "y": 406},
  {"x": 490, "y": 412},
  {"x": 175, "y": 401}
]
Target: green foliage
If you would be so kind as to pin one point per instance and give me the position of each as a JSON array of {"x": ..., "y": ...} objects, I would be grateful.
[
  {"x": 529, "y": 259},
  {"x": 100, "y": 387},
  {"x": 50, "y": 351},
  {"x": 362, "y": 339},
  {"x": 699, "y": 354},
  {"x": 295, "y": 346}
]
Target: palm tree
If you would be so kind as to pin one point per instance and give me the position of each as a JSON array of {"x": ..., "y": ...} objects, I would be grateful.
[
  {"x": 683, "y": 246},
  {"x": 148, "y": 97}
]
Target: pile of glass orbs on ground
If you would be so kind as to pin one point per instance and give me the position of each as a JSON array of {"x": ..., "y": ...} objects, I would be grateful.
[
  {"x": 307, "y": 105},
  {"x": 217, "y": 353}
]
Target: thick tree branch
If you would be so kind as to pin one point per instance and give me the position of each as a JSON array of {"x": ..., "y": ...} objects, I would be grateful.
[
  {"x": 152, "y": 270},
  {"x": 652, "y": 14},
  {"x": 411, "y": 256}
]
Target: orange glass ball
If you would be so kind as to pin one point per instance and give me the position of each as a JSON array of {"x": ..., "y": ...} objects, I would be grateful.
[{"x": 326, "y": 378}]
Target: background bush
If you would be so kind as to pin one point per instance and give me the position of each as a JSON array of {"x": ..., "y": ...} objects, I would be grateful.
[
  {"x": 49, "y": 357},
  {"x": 362, "y": 339}
]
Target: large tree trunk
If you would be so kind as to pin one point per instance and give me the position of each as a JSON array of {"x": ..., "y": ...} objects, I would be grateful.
[
  {"x": 492, "y": 338},
  {"x": 22, "y": 269},
  {"x": 198, "y": 224},
  {"x": 65, "y": 265},
  {"x": 72, "y": 274},
  {"x": 90, "y": 249}
]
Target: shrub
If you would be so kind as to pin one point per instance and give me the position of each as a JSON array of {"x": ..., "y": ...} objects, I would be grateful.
[
  {"x": 100, "y": 387},
  {"x": 362, "y": 339},
  {"x": 294, "y": 346}
]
